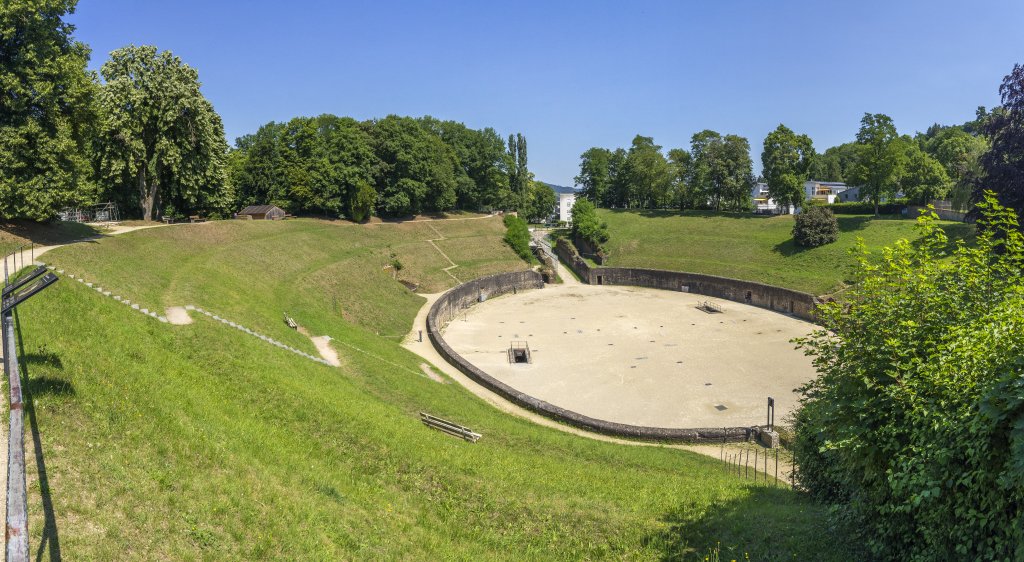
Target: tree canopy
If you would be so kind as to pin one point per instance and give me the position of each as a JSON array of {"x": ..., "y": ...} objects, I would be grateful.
[
  {"x": 47, "y": 114},
  {"x": 913, "y": 426},
  {"x": 786, "y": 161},
  {"x": 160, "y": 139},
  {"x": 1002, "y": 167}
]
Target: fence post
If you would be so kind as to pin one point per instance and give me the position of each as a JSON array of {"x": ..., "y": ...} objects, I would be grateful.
[{"x": 17, "y": 500}]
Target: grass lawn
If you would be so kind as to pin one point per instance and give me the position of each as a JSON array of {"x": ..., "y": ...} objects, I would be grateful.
[
  {"x": 749, "y": 247},
  {"x": 16, "y": 233},
  {"x": 200, "y": 442}
]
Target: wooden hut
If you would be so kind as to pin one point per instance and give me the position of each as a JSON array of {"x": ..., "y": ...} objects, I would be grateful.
[{"x": 262, "y": 213}]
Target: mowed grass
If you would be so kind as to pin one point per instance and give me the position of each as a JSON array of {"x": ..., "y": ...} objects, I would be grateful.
[
  {"x": 321, "y": 273},
  {"x": 750, "y": 247},
  {"x": 14, "y": 234},
  {"x": 151, "y": 441}
]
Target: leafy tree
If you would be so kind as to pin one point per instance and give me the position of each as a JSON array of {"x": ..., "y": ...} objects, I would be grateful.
[
  {"x": 815, "y": 226},
  {"x": 542, "y": 202},
  {"x": 834, "y": 164},
  {"x": 587, "y": 225},
  {"x": 361, "y": 201},
  {"x": 594, "y": 179},
  {"x": 159, "y": 136},
  {"x": 418, "y": 168},
  {"x": 679, "y": 161},
  {"x": 880, "y": 158},
  {"x": 923, "y": 178},
  {"x": 47, "y": 115},
  {"x": 912, "y": 428},
  {"x": 618, "y": 188},
  {"x": 1003, "y": 165},
  {"x": 786, "y": 160},
  {"x": 647, "y": 174},
  {"x": 518, "y": 175},
  {"x": 721, "y": 175},
  {"x": 482, "y": 177}
]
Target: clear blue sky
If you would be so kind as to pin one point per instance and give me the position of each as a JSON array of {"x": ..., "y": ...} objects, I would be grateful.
[{"x": 571, "y": 75}]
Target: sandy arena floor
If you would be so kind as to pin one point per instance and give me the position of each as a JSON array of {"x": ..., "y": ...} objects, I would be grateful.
[{"x": 639, "y": 356}]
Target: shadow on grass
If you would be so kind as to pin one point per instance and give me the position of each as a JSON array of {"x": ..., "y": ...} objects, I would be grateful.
[
  {"x": 50, "y": 540},
  {"x": 767, "y": 523}
]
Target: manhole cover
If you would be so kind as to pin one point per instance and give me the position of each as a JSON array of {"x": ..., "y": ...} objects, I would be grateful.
[{"x": 720, "y": 407}]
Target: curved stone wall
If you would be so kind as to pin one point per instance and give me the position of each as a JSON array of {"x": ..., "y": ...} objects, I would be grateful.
[
  {"x": 466, "y": 295},
  {"x": 788, "y": 301}
]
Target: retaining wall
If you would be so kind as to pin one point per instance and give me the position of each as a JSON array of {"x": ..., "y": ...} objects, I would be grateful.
[
  {"x": 797, "y": 303},
  {"x": 458, "y": 299}
]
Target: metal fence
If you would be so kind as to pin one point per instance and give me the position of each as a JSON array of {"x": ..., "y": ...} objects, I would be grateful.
[{"x": 18, "y": 286}]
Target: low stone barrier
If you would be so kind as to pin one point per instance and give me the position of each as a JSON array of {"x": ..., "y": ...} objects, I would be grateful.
[
  {"x": 466, "y": 295},
  {"x": 788, "y": 301}
]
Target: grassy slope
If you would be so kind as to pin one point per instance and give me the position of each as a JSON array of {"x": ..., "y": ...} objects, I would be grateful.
[
  {"x": 16, "y": 233},
  {"x": 200, "y": 442},
  {"x": 745, "y": 246}
]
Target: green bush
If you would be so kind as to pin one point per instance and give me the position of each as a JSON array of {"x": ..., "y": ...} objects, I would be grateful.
[
  {"x": 587, "y": 225},
  {"x": 518, "y": 236},
  {"x": 914, "y": 426},
  {"x": 815, "y": 226}
]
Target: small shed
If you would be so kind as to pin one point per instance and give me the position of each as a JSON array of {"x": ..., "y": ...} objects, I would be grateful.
[{"x": 262, "y": 212}]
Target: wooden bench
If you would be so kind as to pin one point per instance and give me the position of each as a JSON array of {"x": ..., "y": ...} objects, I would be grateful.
[{"x": 196, "y": 218}]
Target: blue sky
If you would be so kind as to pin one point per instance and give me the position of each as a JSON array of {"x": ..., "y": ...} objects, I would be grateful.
[{"x": 571, "y": 75}]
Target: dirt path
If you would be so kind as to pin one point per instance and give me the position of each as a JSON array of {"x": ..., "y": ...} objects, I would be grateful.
[
  {"x": 453, "y": 265},
  {"x": 425, "y": 350}
]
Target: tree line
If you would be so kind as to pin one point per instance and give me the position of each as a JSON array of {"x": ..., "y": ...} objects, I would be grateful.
[
  {"x": 716, "y": 172},
  {"x": 141, "y": 133},
  {"x": 395, "y": 166}
]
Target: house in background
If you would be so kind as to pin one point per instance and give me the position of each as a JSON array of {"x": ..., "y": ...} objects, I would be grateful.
[
  {"x": 565, "y": 203},
  {"x": 763, "y": 204},
  {"x": 851, "y": 195},
  {"x": 261, "y": 212},
  {"x": 826, "y": 191}
]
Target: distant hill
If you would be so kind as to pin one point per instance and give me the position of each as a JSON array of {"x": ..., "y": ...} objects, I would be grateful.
[{"x": 560, "y": 188}]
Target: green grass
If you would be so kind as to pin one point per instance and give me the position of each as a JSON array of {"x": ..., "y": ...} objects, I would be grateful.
[
  {"x": 749, "y": 247},
  {"x": 199, "y": 442},
  {"x": 17, "y": 233}
]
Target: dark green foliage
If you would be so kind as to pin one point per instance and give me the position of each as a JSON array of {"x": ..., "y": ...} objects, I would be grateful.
[
  {"x": 160, "y": 141},
  {"x": 914, "y": 428},
  {"x": 815, "y": 226},
  {"x": 518, "y": 236},
  {"x": 396, "y": 166},
  {"x": 47, "y": 115},
  {"x": 541, "y": 204},
  {"x": 586, "y": 224},
  {"x": 1002, "y": 166},
  {"x": 786, "y": 159}
]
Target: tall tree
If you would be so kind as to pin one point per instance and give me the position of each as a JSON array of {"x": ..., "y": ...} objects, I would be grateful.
[
  {"x": 159, "y": 136},
  {"x": 880, "y": 158},
  {"x": 721, "y": 174},
  {"x": 647, "y": 174},
  {"x": 680, "y": 161},
  {"x": 418, "y": 168},
  {"x": 923, "y": 178},
  {"x": 1003, "y": 165},
  {"x": 594, "y": 178},
  {"x": 518, "y": 174},
  {"x": 786, "y": 160},
  {"x": 46, "y": 111}
]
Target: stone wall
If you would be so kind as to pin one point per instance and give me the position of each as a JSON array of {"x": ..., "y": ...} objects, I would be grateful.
[
  {"x": 788, "y": 301},
  {"x": 458, "y": 299}
]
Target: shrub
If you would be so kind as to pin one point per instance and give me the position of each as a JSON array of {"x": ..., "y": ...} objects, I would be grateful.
[
  {"x": 913, "y": 427},
  {"x": 518, "y": 236},
  {"x": 586, "y": 225},
  {"x": 815, "y": 226}
]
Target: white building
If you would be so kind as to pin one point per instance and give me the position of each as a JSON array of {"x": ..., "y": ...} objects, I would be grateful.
[
  {"x": 762, "y": 203},
  {"x": 827, "y": 191},
  {"x": 565, "y": 203}
]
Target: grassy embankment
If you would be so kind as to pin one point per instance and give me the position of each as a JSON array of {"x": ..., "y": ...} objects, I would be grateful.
[
  {"x": 199, "y": 442},
  {"x": 749, "y": 247},
  {"x": 14, "y": 234}
]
